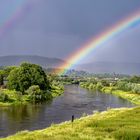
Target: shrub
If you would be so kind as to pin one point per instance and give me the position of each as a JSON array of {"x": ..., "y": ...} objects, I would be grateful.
[
  {"x": 36, "y": 94},
  {"x": 3, "y": 97},
  {"x": 105, "y": 83},
  {"x": 136, "y": 89},
  {"x": 99, "y": 86}
]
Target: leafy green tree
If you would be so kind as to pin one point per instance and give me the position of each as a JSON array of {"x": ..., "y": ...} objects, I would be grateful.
[
  {"x": 105, "y": 83},
  {"x": 136, "y": 88},
  {"x": 35, "y": 94},
  {"x": 99, "y": 86},
  {"x": 3, "y": 97},
  {"x": 1, "y": 77},
  {"x": 7, "y": 70},
  {"x": 122, "y": 85},
  {"x": 21, "y": 78},
  {"x": 135, "y": 79}
]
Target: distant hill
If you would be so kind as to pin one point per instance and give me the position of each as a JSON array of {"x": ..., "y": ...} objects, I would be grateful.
[
  {"x": 110, "y": 67},
  {"x": 70, "y": 72},
  {"x": 95, "y": 67},
  {"x": 43, "y": 61}
]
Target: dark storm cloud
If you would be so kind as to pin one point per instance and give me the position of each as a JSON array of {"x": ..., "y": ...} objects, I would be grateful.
[{"x": 56, "y": 28}]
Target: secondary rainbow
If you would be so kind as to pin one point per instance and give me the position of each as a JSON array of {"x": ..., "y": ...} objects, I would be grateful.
[
  {"x": 98, "y": 41},
  {"x": 9, "y": 20}
]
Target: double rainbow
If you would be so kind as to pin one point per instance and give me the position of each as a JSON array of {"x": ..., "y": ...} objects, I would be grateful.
[
  {"x": 22, "y": 8},
  {"x": 98, "y": 41}
]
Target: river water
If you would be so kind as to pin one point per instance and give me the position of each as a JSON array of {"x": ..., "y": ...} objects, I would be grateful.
[{"x": 75, "y": 101}]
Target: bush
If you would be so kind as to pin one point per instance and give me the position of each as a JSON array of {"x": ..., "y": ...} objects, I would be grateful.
[
  {"x": 122, "y": 85},
  {"x": 136, "y": 89},
  {"x": 99, "y": 86},
  {"x": 105, "y": 83},
  {"x": 36, "y": 94},
  {"x": 3, "y": 97}
]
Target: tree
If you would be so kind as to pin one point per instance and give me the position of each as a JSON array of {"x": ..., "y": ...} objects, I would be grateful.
[
  {"x": 99, "y": 86},
  {"x": 105, "y": 83},
  {"x": 135, "y": 79},
  {"x": 35, "y": 94},
  {"x": 1, "y": 77},
  {"x": 7, "y": 70},
  {"x": 3, "y": 97},
  {"x": 26, "y": 75}
]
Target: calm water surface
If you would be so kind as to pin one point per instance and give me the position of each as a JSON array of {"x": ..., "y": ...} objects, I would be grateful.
[{"x": 74, "y": 101}]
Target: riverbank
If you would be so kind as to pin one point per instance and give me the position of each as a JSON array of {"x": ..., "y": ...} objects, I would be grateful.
[
  {"x": 132, "y": 97},
  {"x": 114, "y": 124},
  {"x": 128, "y": 95},
  {"x": 12, "y": 97}
]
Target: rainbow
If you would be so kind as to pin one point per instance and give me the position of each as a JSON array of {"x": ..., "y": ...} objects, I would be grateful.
[
  {"x": 20, "y": 9},
  {"x": 98, "y": 41}
]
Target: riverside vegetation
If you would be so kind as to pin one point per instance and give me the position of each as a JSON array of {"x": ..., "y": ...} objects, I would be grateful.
[
  {"x": 27, "y": 83},
  {"x": 113, "y": 124},
  {"x": 127, "y": 88}
]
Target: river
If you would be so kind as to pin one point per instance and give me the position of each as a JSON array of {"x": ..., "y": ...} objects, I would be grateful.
[{"x": 75, "y": 101}]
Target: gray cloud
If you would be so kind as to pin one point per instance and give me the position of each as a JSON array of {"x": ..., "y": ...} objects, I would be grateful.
[
  {"x": 56, "y": 28},
  {"x": 124, "y": 48}
]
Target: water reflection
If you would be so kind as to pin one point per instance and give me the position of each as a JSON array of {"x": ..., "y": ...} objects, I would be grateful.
[{"x": 75, "y": 101}]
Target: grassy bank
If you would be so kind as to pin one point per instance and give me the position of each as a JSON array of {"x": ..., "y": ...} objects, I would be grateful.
[
  {"x": 128, "y": 95},
  {"x": 10, "y": 97},
  {"x": 114, "y": 124},
  {"x": 132, "y": 97},
  {"x": 2, "y": 104}
]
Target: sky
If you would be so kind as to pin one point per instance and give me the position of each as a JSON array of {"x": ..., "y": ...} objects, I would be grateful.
[{"x": 58, "y": 28}]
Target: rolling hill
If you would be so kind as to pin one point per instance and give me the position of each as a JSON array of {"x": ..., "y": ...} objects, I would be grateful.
[
  {"x": 93, "y": 67},
  {"x": 43, "y": 61}
]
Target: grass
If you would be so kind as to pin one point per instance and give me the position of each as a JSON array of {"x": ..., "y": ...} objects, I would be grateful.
[
  {"x": 114, "y": 124},
  {"x": 3, "y": 104},
  {"x": 10, "y": 97},
  {"x": 132, "y": 97}
]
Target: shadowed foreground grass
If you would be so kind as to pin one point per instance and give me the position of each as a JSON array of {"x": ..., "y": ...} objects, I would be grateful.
[{"x": 120, "y": 124}]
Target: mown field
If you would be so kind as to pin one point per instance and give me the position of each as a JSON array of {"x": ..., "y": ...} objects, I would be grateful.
[{"x": 114, "y": 124}]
